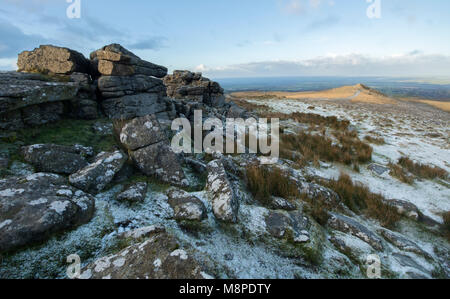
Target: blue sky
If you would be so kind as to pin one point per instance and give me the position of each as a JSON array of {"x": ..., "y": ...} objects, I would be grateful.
[{"x": 245, "y": 38}]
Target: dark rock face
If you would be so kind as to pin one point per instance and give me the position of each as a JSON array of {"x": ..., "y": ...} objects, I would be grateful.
[
  {"x": 119, "y": 86},
  {"x": 115, "y": 60},
  {"x": 51, "y": 59},
  {"x": 57, "y": 158},
  {"x": 97, "y": 175},
  {"x": 32, "y": 208},
  {"x": 192, "y": 86},
  {"x": 223, "y": 199},
  {"x": 131, "y": 106},
  {"x": 348, "y": 225},
  {"x": 185, "y": 206},
  {"x": 34, "y": 99},
  {"x": 133, "y": 193},
  {"x": 158, "y": 257}
]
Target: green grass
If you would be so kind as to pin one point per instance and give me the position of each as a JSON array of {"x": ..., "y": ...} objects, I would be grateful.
[{"x": 67, "y": 132}]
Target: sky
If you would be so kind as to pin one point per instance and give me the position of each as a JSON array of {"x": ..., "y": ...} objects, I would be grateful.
[{"x": 244, "y": 38}]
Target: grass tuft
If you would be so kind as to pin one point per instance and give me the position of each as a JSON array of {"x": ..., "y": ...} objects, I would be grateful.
[{"x": 265, "y": 182}]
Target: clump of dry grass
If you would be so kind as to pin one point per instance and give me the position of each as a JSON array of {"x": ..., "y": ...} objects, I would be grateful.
[
  {"x": 317, "y": 208},
  {"x": 359, "y": 198},
  {"x": 319, "y": 147},
  {"x": 399, "y": 173},
  {"x": 375, "y": 140},
  {"x": 422, "y": 170},
  {"x": 265, "y": 182}
]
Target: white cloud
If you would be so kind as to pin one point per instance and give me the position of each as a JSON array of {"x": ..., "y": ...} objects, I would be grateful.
[
  {"x": 411, "y": 64},
  {"x": 8, "y": 64}
]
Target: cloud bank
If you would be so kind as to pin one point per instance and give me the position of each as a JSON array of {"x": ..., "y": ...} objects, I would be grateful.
[{"x": 412, "y": 64}]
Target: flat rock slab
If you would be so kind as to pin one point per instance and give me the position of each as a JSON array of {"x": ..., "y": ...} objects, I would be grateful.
[
  {"x": 34, "y": 207},
  {"x": 186, "y": 206},
  {"x": 348, "y": 225},
  {"x": 57, "y": 158},
  {"x": 133, "y": 193},
  {"x": 97, "y": 175},
  {"x": 159, "y": 257},
  {"x": 18, "y": 90}
]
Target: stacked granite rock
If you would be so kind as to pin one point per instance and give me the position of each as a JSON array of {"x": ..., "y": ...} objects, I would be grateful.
[
  {"x": 51, "y": 82},
  {"x": 194, "y": 87},
  {"x": 129, "y": 86},
  {"x": 191, "y": 91}
]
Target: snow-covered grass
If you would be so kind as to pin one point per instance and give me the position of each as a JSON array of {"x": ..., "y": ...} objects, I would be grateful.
[{"x": 406, "y": 132}]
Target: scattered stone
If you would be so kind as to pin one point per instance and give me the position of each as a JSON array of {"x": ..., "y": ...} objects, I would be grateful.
[
  {"x": 293, "y": 226},
  {"x": 97, "y": 175},
  {"x": 133, "y": 193},
  {"x": 159, "y": 160},
  {"x": 159, "y": 257},
  {"x": 348, "y": 225},
  {"x": 224, "y": 202},
  {"x": 378, "y": 169},
  {"x": 57, "y": 158},
  {"x": 34, "y": 207},
  {"x": 142, "y": 233},
  {"x": 278, "y": 203},
  {"x": 103, "y": 129},
  {"x": 405, "y": 208},
  {"x": 186, "y": 206},
  {"x": 142, "y": 132},
  {"x": 51, "y": 59}
]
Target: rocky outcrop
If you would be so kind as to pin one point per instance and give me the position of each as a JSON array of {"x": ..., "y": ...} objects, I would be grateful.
[
  {"x": 54, "y": 60},
  {"x": 158, "y": 257},
  {"x": 224, "y": 202},
  {"x": 194, "y": 87},
  {"x": 97, "y": 175},
  {"x": 127, "y": 84},
  {"x": 34, "y": 207},
  {"x": 115, "y": 60},
  {"x": 186, "y": 206},
  {"x": 32, "y": 99},
  {"x": 133, "y": 193},
  {"x": 150, "y": 150},
  {"x": 347, "y": 225},
  {"x": 57, "y": 158},
  {"x": 35, "y": 99}
]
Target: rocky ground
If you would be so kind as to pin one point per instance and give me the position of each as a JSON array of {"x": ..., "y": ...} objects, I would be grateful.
[{"x": 86, "y": 168}]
